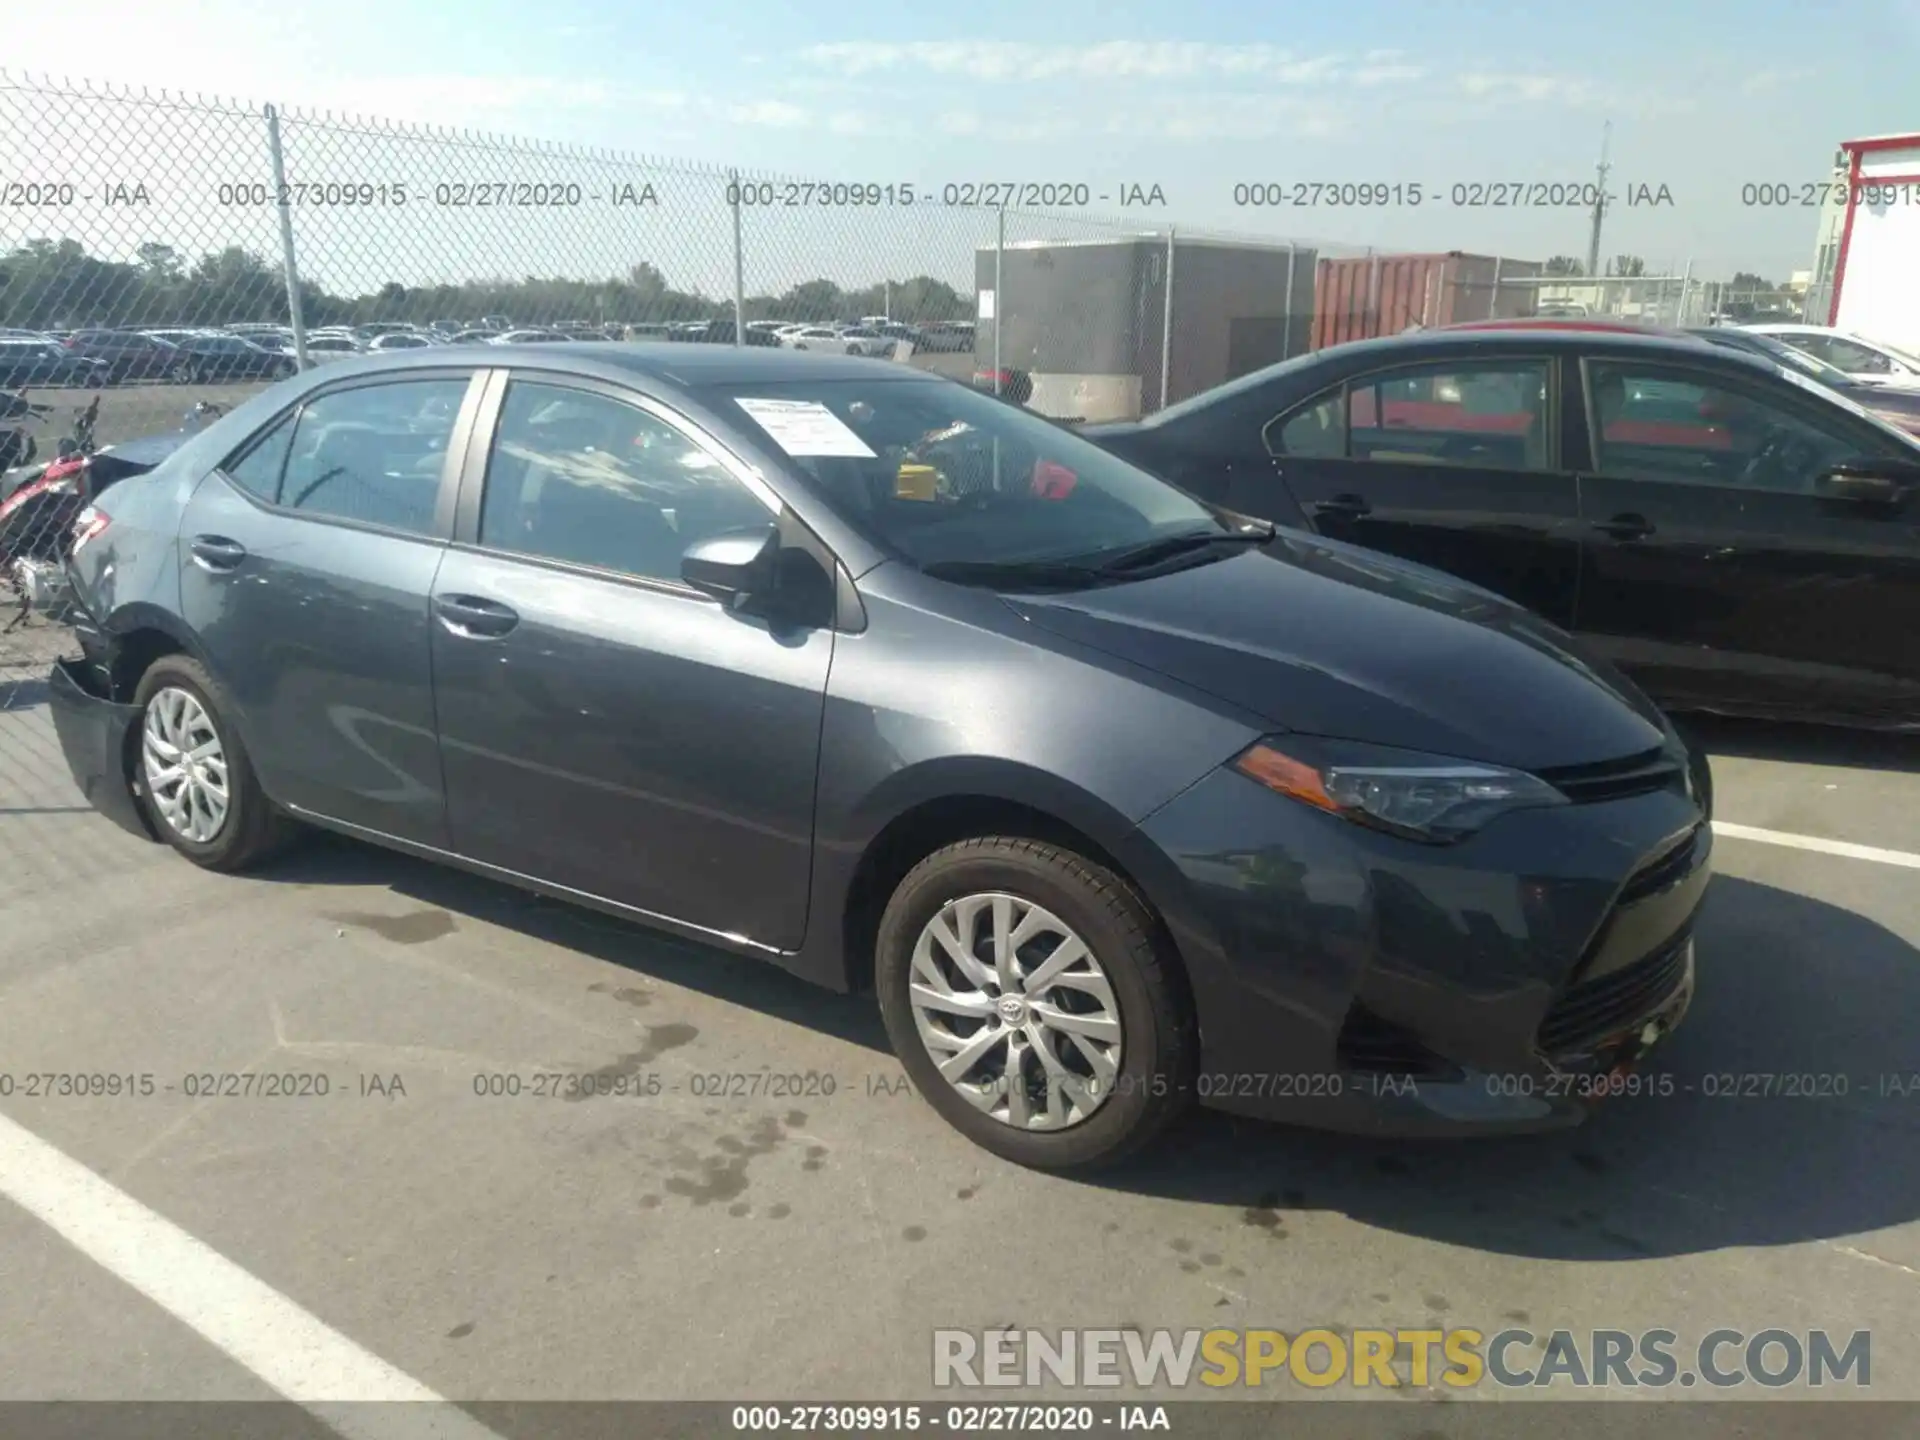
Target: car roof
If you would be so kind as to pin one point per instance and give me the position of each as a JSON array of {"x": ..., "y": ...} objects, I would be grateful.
[{"x": 687, "y": 366}]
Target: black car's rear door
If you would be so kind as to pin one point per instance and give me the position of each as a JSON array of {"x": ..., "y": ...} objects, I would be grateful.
[
  {"x": 1454, "y": 464},
  {"x": 603, "y": 726},
  {"x": 1714, "y": 573}
]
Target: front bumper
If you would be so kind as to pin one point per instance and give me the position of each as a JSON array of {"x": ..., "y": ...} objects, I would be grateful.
[
  {"x": 95, "y": 736},
  {"x": 1351, "y": 980}
]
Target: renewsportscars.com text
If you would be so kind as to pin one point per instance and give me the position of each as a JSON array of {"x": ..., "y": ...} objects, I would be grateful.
[{"x": 1460, "y": 1358}]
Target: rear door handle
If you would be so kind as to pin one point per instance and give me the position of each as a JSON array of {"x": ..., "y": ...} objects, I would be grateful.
[
  {"x": 472, "y": 618},
  {"x": 216, "y": 552},
  {"x": 1625, "y": 527},
  {"x": 1352, "y": 507}
]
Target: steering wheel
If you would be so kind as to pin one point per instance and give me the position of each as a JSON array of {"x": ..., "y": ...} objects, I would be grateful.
[{"x": 1781, "y": 458}]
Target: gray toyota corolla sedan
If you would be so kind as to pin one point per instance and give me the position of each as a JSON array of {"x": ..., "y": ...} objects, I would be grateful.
[{"x": 1115, "y": 799}]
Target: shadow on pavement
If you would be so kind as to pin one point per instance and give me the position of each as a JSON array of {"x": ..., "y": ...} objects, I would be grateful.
[
  {"x": 1794, "y": 992},
  {"x": 327, "y": 859},
  {"x": 1725, "y": 738}
]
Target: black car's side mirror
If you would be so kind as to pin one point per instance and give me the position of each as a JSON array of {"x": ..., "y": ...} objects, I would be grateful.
[
  {"x": 734, "y": 564},
  {"x": 1869, "y": 482}
]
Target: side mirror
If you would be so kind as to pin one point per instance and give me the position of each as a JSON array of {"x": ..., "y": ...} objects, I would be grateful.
[
  {"x": 733, "y": 564},
  {"x": 1868, "y": 482}
]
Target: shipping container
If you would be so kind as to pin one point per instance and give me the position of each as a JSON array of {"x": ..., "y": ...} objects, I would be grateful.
[
  {"x": 1366, "y": 296},
  {"x": 1085, "y": 319}
]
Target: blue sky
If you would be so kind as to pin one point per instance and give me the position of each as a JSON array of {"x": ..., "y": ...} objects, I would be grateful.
[{"x": 1192, "y": 96}]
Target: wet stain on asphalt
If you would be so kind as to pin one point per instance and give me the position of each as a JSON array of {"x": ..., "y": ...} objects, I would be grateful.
[
  {"x": 914, "y": 1232},
  {"x": 1182, "y": 1246},
  {"x": 796, "y": 1118},
  {"x": 415, "y": 928},
  {"x": 1265, "y": 1217},
  {"x": 779, "y": 1212},
  {"x": 649, "y": 1202},
  {"x": 660, "y": 1039},
  {"x": 723, "y": 1177},
  {"x": 460, "y": 1331},
  {"x": 740, "y": 1210},
  {"x": 816, "y": 1158},
  {"x": 1439, "y": 1304},
  {"x": 1381, "y": 1297},
  {"x": 1519, "y": 1317},
  {"x": 625, "y": 994},
  {"x": 966, "y": 1192},
  {"x": 1210, "y": 1260}
]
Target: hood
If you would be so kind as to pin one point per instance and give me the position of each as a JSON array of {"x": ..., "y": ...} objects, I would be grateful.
[{"x": 1327, "y": 639}]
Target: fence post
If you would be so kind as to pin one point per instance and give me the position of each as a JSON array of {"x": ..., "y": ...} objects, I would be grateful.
[
  {"x": 1686, "y": 283},
  {"x": 999, "y": 300},
  {"x": 278, "y": 160},
  {"x": 739, "y": 265},
  {"x": 1373, "y": 289},
  {"x": 1166, "y": 321},
  {"x": 1286, "y": 333},
  {"x": 1493, "y": 305}
]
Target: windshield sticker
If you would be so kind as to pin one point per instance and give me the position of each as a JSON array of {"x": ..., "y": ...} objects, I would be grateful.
[{"x": 806, "y": 427}]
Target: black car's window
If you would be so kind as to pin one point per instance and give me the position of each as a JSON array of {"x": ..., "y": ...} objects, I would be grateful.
[
  {"x": 374, "y": 453},
  {"x": 1654, "y": 424},
  {"x": 258, "y": 468},
  {"x": 1487, "y": 414},
  {"x": 945, "y": 474},
  {"x": 588, "y": 479}
]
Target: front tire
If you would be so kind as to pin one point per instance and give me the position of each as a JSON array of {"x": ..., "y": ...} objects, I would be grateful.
[
  {"x": 196, "y": 780},
  {"x": 1035, "y": 1003}
]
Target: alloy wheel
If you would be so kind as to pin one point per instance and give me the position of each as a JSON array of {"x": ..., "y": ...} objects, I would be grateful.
[
  {"x": 1015, "y": 1011},
  {"x": 185, "y": 765}
]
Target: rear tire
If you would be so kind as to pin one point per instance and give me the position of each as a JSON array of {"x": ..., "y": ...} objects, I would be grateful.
[
  {"x": 1080, "y": 1071},
  {"x": 190, "y": 764}
]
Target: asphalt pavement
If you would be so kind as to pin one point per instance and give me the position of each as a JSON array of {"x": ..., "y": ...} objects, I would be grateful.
[{"x": 391, "y": 1211}]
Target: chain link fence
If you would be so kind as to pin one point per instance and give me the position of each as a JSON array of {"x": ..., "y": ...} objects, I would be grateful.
[{"x": 161, "y": 255}]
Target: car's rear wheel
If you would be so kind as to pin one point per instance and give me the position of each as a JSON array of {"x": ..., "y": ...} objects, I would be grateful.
[
  {"x": 1035, "y": 1003},
  {"x": 195, "y": 778},
  {"x": 181, "y": 373}
]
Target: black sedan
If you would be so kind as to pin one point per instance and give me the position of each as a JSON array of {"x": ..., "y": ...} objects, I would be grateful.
[
  {"x": 42, "y": 362},
  {"x": 1116, "y": 799},
  {"x": 131, "y": 355},
  {"x": 1731, "y": 533},
  {"x": 214, "y": 358}
]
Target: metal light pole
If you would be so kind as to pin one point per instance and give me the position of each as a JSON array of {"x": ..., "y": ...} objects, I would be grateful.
[{"x": 278, "y": 160}]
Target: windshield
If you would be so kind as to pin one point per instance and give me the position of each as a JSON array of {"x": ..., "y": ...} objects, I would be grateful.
[
  {"x": 1905, "y": 357},
  {"x": 1785, "y": 354},
  {"x": 946, "y": 475}
]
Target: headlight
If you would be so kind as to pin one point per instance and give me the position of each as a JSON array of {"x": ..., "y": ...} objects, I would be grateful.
[{"x": 1422, "y": 797}]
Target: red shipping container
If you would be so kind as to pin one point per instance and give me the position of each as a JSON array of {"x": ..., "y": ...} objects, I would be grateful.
[{"x": 1365, "y": 296}]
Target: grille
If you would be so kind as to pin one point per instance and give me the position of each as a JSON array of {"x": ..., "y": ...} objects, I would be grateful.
[
  {"x": 1597, "y": 1008},
  {"x": 1641, "y": 774},
  {"x": 1658, "y": 874}
]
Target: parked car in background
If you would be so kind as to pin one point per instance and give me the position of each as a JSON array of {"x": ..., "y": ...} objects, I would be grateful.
[
  {"x": 472, "y": 337},
  {"x": 130, "y": 355},
  {"x": 720, "y": 332},
  {"x": 494, "y": 322},
  {"x": 1896, "y": 404},
  {"x": 851, "y": 341},
  {"x": 447, "y": 327},
  {"x": 1868, "y": 361},
  {"x": 400, "y": 340},
  {"x": 1181, "y": 796},
  {"x": 217, "y": 356},
  {"x": 946, "y": 337},
  {"x": 647, "y": 331},
  {"x": 373, "y": 330},
  {"x": 1649, "y": 494},
  {"x": 528, "y": 337},
  {"x": 42, "y": 362},
  {"x": 333, "y": 347}
]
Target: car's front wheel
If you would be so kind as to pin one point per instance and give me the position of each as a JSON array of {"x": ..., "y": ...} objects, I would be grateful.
[
  {"x": 1035, "y": 1003},
  {"x": 195, "y": 777}
]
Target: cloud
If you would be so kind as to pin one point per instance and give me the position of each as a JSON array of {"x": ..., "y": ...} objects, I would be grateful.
[
  {"x": 1007, "y": 60},
  {"x": 777, "y": 114},
  {"x": 1176, "y": 117}
]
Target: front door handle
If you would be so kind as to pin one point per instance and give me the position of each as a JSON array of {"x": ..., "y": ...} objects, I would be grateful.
[
  {"x": 472, "y": 618},
  {"x": 1625, "y": 527},
  {"x": 216, "y": 552},
  {"x": 1346, "y": 507}
]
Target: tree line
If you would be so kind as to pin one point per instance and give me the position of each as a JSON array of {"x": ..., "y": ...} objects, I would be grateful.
[{"x": 57, "y": 285}]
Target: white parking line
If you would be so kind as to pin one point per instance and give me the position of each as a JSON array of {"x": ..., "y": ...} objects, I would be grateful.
[
  {"x": 256, "y": 1326},
  {"x": 1847, "y": 848}
]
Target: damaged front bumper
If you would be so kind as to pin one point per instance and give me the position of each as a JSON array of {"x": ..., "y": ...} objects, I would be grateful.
[{"x": 96, "y": 735}]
